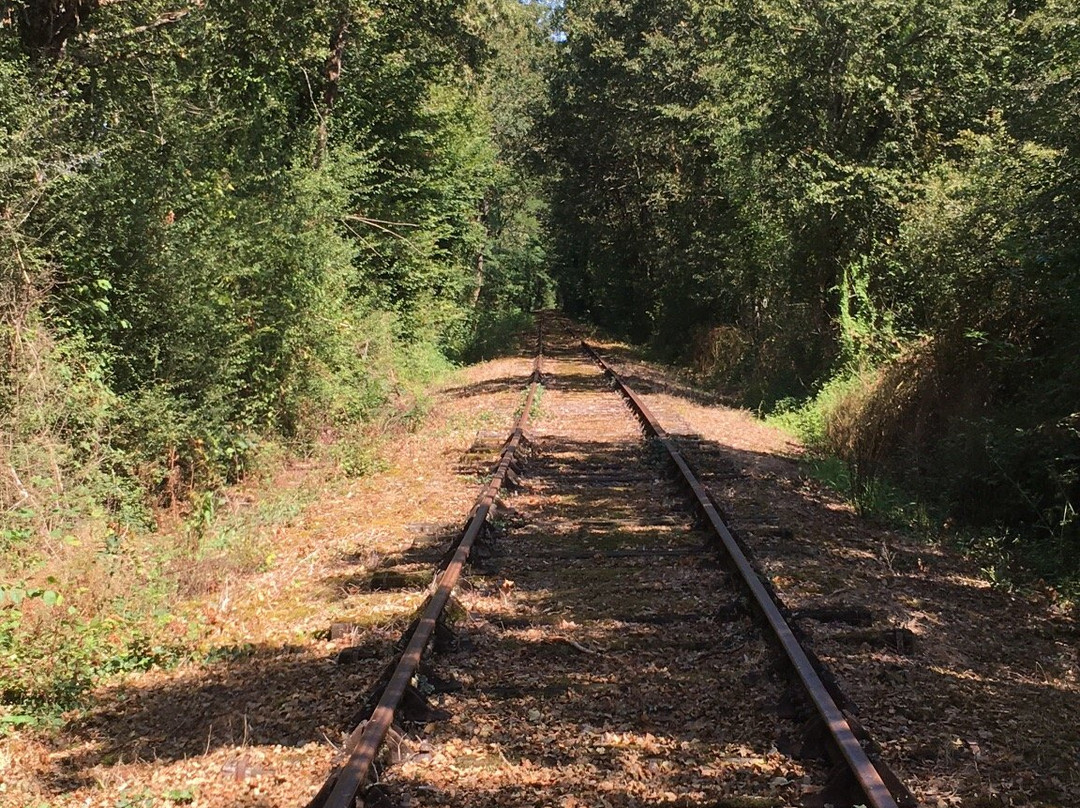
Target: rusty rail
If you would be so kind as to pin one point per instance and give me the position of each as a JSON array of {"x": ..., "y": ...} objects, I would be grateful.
[
  {"x": 866, "y": 773},
  {"x": 344, "y": 785}
]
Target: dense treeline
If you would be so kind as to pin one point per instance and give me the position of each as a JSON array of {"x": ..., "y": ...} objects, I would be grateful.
[
  {"x": 227, "y": 225},
  {"x": 869, "y": 204},
  {"x": 219, "y": 219}
]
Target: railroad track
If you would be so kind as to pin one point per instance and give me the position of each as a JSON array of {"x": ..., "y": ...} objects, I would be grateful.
[{"x": 624, "y": 649}]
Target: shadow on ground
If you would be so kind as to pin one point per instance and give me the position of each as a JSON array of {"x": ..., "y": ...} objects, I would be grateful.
[{"x": 973, "y": 689}]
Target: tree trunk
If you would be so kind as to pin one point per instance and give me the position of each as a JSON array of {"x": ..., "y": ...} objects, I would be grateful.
[
  {"x": 485, "y": 211},
  {"x": 331, "y": 83},
  {"x": 45, "y": 25}
]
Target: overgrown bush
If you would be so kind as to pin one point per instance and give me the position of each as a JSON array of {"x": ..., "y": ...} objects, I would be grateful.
[
  {"x": 934, "y": 422},
  {"x": 224, "y": 232},
  {"x": 882, "y": 199},
  {"x": 719, "y": 354},
  {"x": 492, "y": 334}
]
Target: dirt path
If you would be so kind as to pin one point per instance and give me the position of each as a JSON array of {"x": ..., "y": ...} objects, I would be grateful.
[
  {"x": 981, "y": 710},
  {"x": 611, "y": 665}
]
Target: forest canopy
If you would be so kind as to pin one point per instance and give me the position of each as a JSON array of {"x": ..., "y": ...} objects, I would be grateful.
[
  {"x": 227, "y": 221},
  {"x": 861, "y": 211}
]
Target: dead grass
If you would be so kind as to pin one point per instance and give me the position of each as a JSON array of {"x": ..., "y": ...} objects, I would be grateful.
[
  {"x": 285, "y": 555},
  {"x": 984, "y": 710},
  {"x": 887, "y": 413}
]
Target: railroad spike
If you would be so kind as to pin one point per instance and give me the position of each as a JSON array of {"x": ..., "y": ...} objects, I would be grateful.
[{"x": 352, "y": 655}]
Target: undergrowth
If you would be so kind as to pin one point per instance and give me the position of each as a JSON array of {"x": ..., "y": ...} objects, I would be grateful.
[
  {"x": 491, "y": 334},
  {"x": 103, "y": 599},
  {"x": 119, "y": 512},
  {"x": 867, "y": 434}
]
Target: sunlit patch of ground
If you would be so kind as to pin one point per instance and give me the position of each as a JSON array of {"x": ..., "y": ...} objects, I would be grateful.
[{"x": 257, "y": 723}]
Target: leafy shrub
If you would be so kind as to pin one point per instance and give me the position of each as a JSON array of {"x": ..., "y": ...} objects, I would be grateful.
[
  {"x": 54, "y": 646},
  {"x": 489, "y": 334}
]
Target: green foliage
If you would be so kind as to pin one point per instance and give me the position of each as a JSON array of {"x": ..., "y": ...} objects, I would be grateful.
[
  {"x": 633, "y": 194},
  {"x": 180, "y": 796},
  {"x": 809, "y": 419},
  {"x": 223, "y": 229},
  {"x": 515, "y": 274},
  {"x": 217, "y": 251},
  {"x": 495, "y": 334},
  {"x": 870, "y": 204},
  {"x": 51, "y": 653}
]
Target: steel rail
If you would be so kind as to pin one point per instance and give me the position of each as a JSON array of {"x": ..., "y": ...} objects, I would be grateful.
[
  {"x": 364, "y": 742},
  {"x": 862, "y": 768}
]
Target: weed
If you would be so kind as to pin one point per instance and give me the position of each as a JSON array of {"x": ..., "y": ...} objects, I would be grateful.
[
  {"x": 140, "y": 800},
  {"x": 230, "y": 653},
  {"x": 536, "y": 408},
  {"x": 357, "y": 457},
  {"x": 491, "y": 335},
  {"x": 1013, "y": 561}
]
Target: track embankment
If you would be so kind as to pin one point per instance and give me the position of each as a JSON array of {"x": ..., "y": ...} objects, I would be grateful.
[
  {"x": 611, "y": 660},
  {"x": 601, "y": 652}
]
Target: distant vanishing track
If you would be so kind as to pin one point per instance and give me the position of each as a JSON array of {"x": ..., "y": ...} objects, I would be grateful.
[{"x": 594, "y": 568}]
